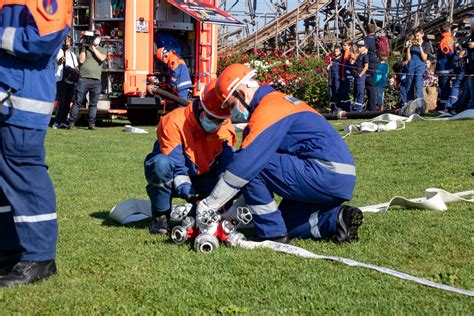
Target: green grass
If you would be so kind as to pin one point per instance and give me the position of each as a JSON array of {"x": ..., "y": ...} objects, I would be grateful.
[{"x": 108, "y": 268}]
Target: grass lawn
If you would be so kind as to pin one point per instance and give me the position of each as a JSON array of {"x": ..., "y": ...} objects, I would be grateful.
[{"x": 108, "y": 268}]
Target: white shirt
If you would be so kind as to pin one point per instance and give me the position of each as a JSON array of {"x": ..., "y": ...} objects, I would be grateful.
[{"x": 71, "y": 61}]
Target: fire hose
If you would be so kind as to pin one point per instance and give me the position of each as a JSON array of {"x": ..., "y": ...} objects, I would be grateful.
[
  {"x": 208, "y": 229},
  {"x": 154, "y": 82}
]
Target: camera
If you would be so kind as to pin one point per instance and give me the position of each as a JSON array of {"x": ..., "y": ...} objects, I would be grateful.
[{"x": 87, "y": 38}]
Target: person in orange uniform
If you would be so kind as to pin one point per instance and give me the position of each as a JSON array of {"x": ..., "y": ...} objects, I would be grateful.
[
  {"x": 194, "y": 146},
  {"x": 180, "y": 79},
  {"x": 31, "y": 34},
  {"x": 445, "y": 63},
  {"x": 290, "y": 150}
]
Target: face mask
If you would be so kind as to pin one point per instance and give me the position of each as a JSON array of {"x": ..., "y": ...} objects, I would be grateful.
[
  {"x": 97, "y": 41},
  {"x": 237, "y": 114},
  {"x": 208, "y": 125}
]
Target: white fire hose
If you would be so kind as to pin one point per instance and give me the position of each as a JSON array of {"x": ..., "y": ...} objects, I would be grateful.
[
  {"x": 435, "y": 199},
  {"x": 294, "y": 250}
]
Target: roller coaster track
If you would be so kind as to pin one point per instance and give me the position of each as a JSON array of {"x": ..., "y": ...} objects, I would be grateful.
[
  {"x": 283, "y": 32},
  {"x": 432, "y": 26},
  {"x": 275, "y": 27}
]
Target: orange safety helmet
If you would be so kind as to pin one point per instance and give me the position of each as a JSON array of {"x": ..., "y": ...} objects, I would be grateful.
[
  {"x": 211, "y": 103},
  {"x": 160, "y": 53},
  {"x": 230, "y": 78}
]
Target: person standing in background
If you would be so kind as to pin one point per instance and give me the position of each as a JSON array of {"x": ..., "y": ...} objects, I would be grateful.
[
  {"x": 417, "y": 53},
  {"x": 66, "y": 58},
  {"x": 380, "y": 80},
  {"x": 91, "y": 57},
  {"x": 371, "y": 45}
]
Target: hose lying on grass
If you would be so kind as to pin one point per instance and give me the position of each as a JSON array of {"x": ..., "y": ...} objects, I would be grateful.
[{"x": 308, "y": 254}]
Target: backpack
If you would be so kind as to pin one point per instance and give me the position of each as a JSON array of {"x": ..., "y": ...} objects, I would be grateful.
[{"x": 382, "y": 45}]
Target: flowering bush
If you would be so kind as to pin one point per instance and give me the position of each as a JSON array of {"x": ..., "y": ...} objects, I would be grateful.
[{"x": 303, "y": 76}]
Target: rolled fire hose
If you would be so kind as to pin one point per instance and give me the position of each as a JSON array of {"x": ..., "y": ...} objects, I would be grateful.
[{"x": 294, "y": 250}]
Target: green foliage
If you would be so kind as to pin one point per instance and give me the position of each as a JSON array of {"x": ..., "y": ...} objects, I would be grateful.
[{"x": 106, "y": 268}]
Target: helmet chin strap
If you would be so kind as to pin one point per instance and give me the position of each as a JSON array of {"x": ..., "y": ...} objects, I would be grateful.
[{"x": 241, "y": 100}]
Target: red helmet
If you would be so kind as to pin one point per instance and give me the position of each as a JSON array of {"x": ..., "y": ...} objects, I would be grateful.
[
  {"x": 211, "y": 103},
  {"x": 230, "y": 78}
]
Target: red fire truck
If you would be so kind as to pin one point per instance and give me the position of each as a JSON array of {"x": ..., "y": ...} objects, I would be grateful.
[{"x": 131, "y": 32}]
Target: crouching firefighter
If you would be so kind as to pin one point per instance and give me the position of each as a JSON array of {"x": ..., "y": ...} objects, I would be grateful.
[
  {"x": 288, "y": 149},
  {"x": 31, "y": 34},
  {"x": 194, "y": 146}
]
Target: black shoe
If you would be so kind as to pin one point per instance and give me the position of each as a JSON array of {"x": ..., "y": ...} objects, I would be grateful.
[
  {"x": 9, "y": 258},
  {"x": 348, "y": 222},
  {"x": 283, "y": 239},
  {"x": 71, "y": 125},
  {"x": 160, "y": 223},
  {"x": 26, "y": 272},
  {"x": 92, "y": 127}
]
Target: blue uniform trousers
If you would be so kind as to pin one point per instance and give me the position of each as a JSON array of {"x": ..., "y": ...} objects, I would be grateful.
[
  {"x": 334, "y": 82},
  {"x": 455, "y": 89},
  {"x": 183, "y": 94},
  {"x": 403, "y": 84},
  {"x": 27, "y": 198},
  {"x": 416, "y": 70},
  {"x": 444, "y": 89},
  {"x": 359, "y": 89},
  {"x": 304, "y": 211},
  {"x": 160, "y": 173},
  {"x": 466, "y": 101},
  {"x": 343, "y": 99}
]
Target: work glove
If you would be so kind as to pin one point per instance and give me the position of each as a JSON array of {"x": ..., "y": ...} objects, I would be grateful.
[
  {"x": 203, "y": 207},
  {"x": 186, "y": 192}
]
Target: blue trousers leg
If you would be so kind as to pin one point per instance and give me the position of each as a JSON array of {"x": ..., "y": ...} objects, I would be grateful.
[
  {"x": 159, "y": 173},
  {"x": 344, "y": 101},
  {"x": 403, "y": 87},
  {"x": 28, "y": 190},
  {"x": 444, "y": 90},
  {"x": 359, "y": 89},
  {"x": 285, "y": 175}
]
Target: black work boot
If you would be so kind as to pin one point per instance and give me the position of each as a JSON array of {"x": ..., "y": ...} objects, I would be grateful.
[
  {"x": 92, "y": 127},
  {"x": 26, "y": 272},
  {"x": 71, "y": 125},
  {"x": 8, "y": 259},
  {"x": 160, "y": 222},
  {"x": 348, "y": 222}
]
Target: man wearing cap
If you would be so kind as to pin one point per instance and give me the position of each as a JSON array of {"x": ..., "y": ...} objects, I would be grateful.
[
  {"x": 180, "y": 79},
  {"x": 290, "y": 150},
  {"x": 194, "y": 146}
]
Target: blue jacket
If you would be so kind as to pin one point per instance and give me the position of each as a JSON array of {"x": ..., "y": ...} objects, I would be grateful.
[
  {"x": 284, "y": 125},
  {"x": 30, "y": 38},
  {"x": 179, "y": 73}
]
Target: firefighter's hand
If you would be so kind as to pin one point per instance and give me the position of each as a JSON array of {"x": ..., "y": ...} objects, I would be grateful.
[
  {"x": 150, "y": 88},
  {"x": 186, "y": 192},
  {"x": 202, "y": 208}
]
